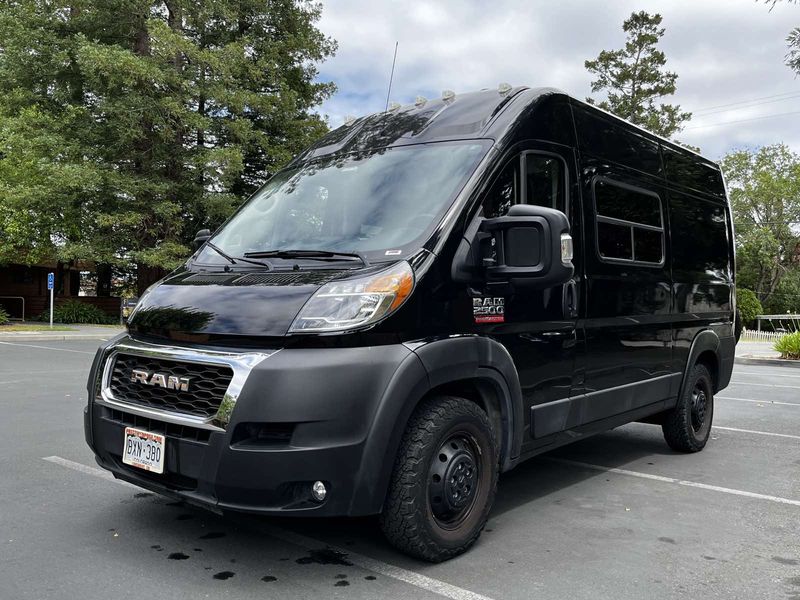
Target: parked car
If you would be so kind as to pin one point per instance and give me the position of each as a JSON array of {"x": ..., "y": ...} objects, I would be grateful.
[{"x": 423, "y": 299}]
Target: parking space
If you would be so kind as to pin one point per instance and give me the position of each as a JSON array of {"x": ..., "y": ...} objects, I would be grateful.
[{"x": 615, "y": 516}]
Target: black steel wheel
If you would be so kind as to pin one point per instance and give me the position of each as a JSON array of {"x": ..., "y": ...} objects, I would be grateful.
[
  {"x": 687, "y": 426},
  {"x": 444, "y": 480}
]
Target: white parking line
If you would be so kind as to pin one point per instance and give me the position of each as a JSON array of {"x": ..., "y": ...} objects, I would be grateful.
[
  {"x": 758, "y": 401},
  {"x": 694, "y": 484},
  {"x": 769, "y": 374},
  {"x": 370, "y": 564},
  {"x": 769, "y": 433},
  {"x": 794, "y": 387},
  {"x": 46, "y": 348}
]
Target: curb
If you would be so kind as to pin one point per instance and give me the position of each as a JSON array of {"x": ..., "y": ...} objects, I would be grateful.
[
  {"x": 772, "y": 362},
  {"x": 50, "y": 337}
]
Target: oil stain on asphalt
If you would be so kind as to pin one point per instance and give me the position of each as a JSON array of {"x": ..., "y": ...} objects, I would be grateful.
[
  {"x": 178, "y": 556},
  {"x": 325, "y": 556},
  {"x": 223, "y": 575}
]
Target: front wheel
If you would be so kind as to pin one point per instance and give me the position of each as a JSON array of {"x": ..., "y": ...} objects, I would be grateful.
[
  {"x": 687, "y": 426},
  {"x": 444, "y": 480}
]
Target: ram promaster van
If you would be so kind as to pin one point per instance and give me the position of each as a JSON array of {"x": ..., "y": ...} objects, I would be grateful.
[{"x": 424, "y": 299}]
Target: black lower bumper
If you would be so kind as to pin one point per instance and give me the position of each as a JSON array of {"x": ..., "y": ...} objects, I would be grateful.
[{"x": 336, "y": 412}]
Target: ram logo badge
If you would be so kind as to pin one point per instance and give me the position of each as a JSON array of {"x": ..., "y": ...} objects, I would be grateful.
[
  {"x": 169, "y": 382},
  {"x": 489, "y": 310}
]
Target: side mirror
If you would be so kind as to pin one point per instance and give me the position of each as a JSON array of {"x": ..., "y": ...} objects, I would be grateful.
[
  {"x": 530, "y": 245},
  {"x": 201, "y": 237}
]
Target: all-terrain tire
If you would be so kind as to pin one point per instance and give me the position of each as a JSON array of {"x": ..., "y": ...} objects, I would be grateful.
[
  {"x": 687, "y": 426},
  {"x": 415, "y": 515}
]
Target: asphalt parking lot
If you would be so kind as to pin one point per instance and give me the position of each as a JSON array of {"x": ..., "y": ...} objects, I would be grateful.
[{"x": 616, "y": 516}]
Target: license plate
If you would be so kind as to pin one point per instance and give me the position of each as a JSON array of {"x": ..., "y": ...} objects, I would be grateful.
[{"x": 144, "y": 450}]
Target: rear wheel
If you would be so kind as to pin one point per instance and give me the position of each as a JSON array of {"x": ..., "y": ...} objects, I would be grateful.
[
  {"x": 687, "y": 426},
  {"x": 444, "y": 480}
]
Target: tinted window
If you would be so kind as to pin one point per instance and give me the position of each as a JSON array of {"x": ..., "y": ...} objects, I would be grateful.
[
  {"x": 504, "y": 191},
  {"x": 699, "y": 235},
  {"x": 614, "y": 241},
  {"x": 627, "y": 205},
  {"x": 692, "y": 171},
  {"x": 544, "y": 181},
  {"x": 603, "y": 136},
  {"x": 629, "y": 224}
]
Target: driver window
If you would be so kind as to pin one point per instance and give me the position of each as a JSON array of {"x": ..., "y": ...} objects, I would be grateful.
[
  {"x": 544, "y": 181},
  {"x": 542, "y": 185},
  {"x": 504, "y": 191}
]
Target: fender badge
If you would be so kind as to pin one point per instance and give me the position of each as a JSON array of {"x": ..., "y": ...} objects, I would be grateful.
[{"x": 489, "y": 310}]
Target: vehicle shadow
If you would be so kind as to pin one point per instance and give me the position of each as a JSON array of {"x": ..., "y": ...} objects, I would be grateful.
[
  {"x": 243, "y": 544},
  {"x": 528, "y": 483}
]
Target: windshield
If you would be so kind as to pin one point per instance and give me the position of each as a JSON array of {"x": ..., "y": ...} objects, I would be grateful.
[{"x": 381, "y": 203}]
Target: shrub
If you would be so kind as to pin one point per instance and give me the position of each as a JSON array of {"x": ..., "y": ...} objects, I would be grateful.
[
  {"x": 3, "y": 316},
  {"x": 789, "y": 345},
  {"x": 74, "y": 311},
  {"x": 748, "y": 304}
]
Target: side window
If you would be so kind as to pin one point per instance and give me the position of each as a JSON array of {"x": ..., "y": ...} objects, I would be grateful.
[
  {"x": 542, "y": 185},
  {"x": 544, "y": 181},
  {"x": 630, "y": 225},
  {"x": 504, "y": 191}
]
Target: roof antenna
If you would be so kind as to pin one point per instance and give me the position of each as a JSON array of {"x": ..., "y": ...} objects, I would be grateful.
[{"x": 391, "y": 77}]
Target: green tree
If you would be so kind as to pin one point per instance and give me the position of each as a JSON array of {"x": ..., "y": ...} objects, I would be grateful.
[
  {"x": 126, "y": 125},
  {"x": 633, "y": 78},
  {"x": 748, "y": 305},
  {"x": 764, "y": 188}
]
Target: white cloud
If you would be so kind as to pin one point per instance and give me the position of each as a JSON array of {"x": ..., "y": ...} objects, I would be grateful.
[{"x": 723, "y": 51}]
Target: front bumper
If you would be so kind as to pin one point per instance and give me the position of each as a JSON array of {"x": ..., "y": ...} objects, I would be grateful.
[{"x": 298, "y": 416}]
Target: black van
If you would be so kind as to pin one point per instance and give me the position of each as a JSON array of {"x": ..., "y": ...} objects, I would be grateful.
[{"x": 425, "y": 298}]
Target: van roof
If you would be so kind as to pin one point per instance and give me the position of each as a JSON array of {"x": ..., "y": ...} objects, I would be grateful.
[{"x": 473, "y": 115}]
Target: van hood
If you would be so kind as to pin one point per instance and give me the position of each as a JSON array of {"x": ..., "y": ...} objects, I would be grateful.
[{"x": 234, "y": 303}]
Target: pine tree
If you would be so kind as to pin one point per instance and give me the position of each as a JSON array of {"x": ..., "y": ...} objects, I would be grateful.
[
  {"x": 129, "y": 124},
  {"x": 634, "y": 78}
]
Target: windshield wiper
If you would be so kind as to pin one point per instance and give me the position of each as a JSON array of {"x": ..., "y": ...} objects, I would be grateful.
[
  {"x": 312, "y": 254},
  {"x": 233, "y": 260}
]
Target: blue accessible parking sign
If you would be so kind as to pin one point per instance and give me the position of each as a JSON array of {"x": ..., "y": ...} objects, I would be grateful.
[{"x": 51, "y": 280}]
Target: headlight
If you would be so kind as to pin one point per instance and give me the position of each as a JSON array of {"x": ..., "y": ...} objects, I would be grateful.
[{"x": 345, "y": 305}]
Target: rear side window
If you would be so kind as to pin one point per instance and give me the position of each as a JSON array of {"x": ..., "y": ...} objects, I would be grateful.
[
  {"x": 699, "y": 235},
  {"x": 630, "y": 224}
]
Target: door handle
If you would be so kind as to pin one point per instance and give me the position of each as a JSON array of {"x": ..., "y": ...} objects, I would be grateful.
[{"x": 570, "y": 300}]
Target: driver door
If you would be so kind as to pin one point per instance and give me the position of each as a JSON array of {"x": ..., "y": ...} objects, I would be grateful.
[{"x": 539, "y": 327}]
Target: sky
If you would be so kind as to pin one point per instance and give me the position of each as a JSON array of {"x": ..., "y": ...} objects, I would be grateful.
[{"x": 728, "y": 54}]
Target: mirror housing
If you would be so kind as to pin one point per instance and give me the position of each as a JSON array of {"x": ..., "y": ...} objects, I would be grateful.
[
  {"x": 529, "y": 246},
  {"x": 201, "y": 237}
]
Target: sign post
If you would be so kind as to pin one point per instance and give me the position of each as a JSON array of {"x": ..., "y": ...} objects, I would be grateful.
[{"x": 51, "y": 283}]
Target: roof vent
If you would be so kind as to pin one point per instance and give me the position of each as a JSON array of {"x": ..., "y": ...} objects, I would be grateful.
[
  {"x": 394, "y": 106},
  {"x": 504, "y": 88},
  {"x": 448, "y": 95},
  {"x": 420, "y": 101}
]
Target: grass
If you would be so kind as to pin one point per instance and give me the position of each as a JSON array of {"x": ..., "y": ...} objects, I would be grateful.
[{"x": 11, "y": 328}]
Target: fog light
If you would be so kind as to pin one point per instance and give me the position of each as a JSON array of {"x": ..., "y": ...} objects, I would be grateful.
[{"x": 318, "y": 491}]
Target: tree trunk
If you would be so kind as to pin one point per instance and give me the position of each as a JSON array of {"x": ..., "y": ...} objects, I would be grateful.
[
  {"x": 103, "y": 272},
  {"x": 146, "y": 276}
]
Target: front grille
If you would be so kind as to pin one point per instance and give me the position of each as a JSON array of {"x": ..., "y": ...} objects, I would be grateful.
[{"x": 207, "y": 385}]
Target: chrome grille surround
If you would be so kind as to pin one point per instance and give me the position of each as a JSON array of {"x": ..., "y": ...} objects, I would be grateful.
[{"x": 241, "y": 363}]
